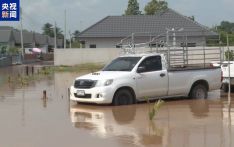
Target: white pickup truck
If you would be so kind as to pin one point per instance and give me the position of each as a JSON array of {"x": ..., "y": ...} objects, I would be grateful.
[{"x": 130, "y": 78}]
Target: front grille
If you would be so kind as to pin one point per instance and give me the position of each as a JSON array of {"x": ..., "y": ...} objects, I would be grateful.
[
  {"x": 86, "y": 96},
  {"x": 85, "y": 84}
]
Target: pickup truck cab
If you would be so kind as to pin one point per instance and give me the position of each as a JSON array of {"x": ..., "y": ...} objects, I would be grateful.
[{"x": 130, "y": 78}]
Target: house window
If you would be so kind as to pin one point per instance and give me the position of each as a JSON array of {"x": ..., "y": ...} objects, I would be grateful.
[
  {"x": 188, "y": 45},
  {"x": 92, "y": 46},
  {"x": 156, "y": 44},
  {"x": 118, "y": 46},
  {"x": 191, "y": 44}
]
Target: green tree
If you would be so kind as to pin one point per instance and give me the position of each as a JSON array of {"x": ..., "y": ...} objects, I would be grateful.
[
  {"x": 59, "y": 33},
  {"x": 133, "y": 8},
  {"x": 75, "y": 41},
  {"x": 223, "y": 29},
  {"x": 75, "y": 44},
  {"x": 13, "y": 51},
  {"x": 192, "y": 18},
  {"x": 48, "y": 29},
  {"x": 226, "y": 26},
  {"x": 154, "y": 6},
  {"x": 3, "y": 49},
  {"x": 76, "y": 34},
  {"x": 229, "y": 55}
]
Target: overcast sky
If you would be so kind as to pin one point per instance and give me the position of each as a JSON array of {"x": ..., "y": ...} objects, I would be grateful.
[{"x": 83, "y": 13}]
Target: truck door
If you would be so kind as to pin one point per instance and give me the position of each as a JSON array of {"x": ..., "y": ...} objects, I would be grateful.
[{"x": 151, "y": 79}]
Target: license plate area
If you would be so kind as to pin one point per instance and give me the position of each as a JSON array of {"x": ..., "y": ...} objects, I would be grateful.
[{"x": 80, "y": 93}]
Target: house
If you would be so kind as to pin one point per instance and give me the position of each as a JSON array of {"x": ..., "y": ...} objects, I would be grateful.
[
  {"x": 27, "y": 38},
  {"x": 108, "y": 32},
  {"x": 6, "y": 38},
  {"x": 10, "y": 37}
]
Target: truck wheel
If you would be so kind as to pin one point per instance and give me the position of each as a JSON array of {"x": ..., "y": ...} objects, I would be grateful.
[
  {"x": 123, "y": 97},
  {"x": 225, "y": 87},
  {"x": 199, "y": 91}
]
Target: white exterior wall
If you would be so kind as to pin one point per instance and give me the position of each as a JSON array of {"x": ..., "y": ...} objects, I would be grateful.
[
  {"x": 112, "y": 42},
  {"x": 102, "y": 42},
  {"x": 82, "y": 56},
  {"x": 99, "y": 55}
]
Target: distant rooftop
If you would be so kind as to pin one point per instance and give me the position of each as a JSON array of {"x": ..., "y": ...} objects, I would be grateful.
[
  {"x": 10, "y": 34},
  {"x": 122, "y": 26},
  {"x": 6, "y": 28},
  {"x": 5, "y": 35}
]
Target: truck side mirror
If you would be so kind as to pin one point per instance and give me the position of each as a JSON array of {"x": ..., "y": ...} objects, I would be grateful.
[{"x": 141, "y": 69}]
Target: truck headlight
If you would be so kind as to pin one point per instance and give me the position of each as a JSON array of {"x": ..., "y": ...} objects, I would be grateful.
[{"x": 108, "y": 82}]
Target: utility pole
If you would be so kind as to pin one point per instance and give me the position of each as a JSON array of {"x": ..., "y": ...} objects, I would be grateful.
[
  {"x": 65, "y": 28},
  {"x": 55, "y": 36},
  {"x": 168, "y": 48},
  {"x": 81, "y": 27},
  {"x": 174, "y": 38},
  {"x": 133, "y": 43},
  {"x": 70, "y": 38},
  {"x": 21, "y": 34},
  {"x": 229, "y": 71}
]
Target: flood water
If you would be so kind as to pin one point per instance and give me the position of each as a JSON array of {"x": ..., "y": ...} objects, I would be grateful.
[{"x": 29, "y": 120}]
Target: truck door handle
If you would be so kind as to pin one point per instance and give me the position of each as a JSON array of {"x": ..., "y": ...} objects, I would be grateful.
[{"x": 162, "y": 74}]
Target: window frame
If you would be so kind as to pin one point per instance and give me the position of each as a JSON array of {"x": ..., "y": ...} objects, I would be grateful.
[
  {"x": 153, "y": 70},
  {"x": 92, "y": 46}
]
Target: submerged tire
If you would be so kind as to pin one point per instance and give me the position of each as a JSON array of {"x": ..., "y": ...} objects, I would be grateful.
[
  {"x": 123, "y": 97},
  {"x": 199, "y": 92}
]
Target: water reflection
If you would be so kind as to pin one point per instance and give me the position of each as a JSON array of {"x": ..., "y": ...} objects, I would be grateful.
[
  {"x": 106, "y": 121},
  {"x": 186, "y": 123},
  {"x": 199, "y": 108},
  {"x": 124, "y": 115},
  {"x": 180, "y": 123},
  {"x": 228, "y": 117},
  {"x": 2, "y": 98},
  {"x": 44, "y": 102}
]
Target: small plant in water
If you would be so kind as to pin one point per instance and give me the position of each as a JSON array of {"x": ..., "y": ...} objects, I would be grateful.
[
  {"x": 154, "y": 110},
  {"x": 9, "y": 79}
]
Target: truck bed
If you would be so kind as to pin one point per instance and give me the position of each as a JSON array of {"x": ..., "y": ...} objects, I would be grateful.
[{"x": 192, "y": 67}]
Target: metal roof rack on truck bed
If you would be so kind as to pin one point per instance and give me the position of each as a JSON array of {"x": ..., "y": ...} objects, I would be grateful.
[{"x": 180, "y": 50}]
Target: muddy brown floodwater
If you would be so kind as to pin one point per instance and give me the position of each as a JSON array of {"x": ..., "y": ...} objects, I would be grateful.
[{"x": 29, "y": 120}]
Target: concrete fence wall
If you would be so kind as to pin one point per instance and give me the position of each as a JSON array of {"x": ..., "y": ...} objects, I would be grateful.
[
  {"x": 82, "y": 56},
  {"x": 101, "y": 55}
]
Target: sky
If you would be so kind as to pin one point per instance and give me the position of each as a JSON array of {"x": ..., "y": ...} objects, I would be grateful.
[{"x": 83, "y": 13}]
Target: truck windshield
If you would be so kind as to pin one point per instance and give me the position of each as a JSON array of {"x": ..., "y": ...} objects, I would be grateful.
[{"x": 122, "y": 64}]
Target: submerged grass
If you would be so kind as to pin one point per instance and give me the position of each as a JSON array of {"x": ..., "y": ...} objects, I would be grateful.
[
  {"x": 47, "y": 71},
  {"x": 25, "y": 80},
  {"x": 82, "y": 67}
]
